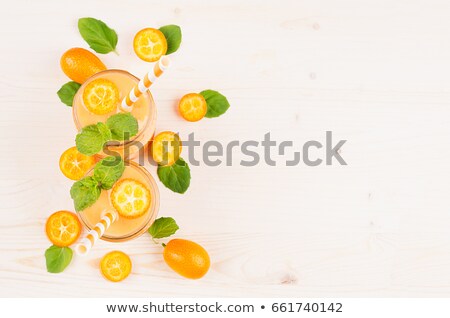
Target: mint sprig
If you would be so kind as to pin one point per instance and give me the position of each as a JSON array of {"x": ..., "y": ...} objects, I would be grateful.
[
  {"x": 216, "y": 102},
  {"x": 176, "y": 177},
  {"x": 91, "y": 139},
  {"x": 104, "y": 131},
  {"x": 163, "y": 227},
  {"x": 122, "y": 126},
  {"x": 173, "y": 36},
  {"x": 101, "y": 38},
  {"x": 85, "y": 192},
  {"x": 67, "y": 92},
  {"x": 57, "y": 258},
  {"x": 107, "y": 171}
]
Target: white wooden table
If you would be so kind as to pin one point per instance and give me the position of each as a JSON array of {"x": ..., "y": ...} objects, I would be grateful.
[{"x": 375, "y": 72}]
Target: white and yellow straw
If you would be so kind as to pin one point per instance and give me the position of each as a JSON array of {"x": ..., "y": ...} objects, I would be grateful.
[
  {"x": 97, "y": 232},
  {"x": 144, "y": 84}
]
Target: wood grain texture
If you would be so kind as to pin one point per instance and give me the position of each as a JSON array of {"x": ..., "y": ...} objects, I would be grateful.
[{"x": 376, "y": 73}]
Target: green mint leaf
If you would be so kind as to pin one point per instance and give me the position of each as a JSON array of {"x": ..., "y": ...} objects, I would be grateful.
[
  {"x": 216, "y": 102},
  {"x": 108, "y": 170},
  {"x": 84, "y": 193},
  {"x": 176, "y": 177},
  {"x": 122, "y": 126},
  {"x": 98, "y": 35},
  {"x": 57, "y": 258},
  {"x": 163, "y": 227},
  {"x": 67, "y": 92},
  {"x": 104, "y": 131},
  {"x": 92, "y": 138},
  {"x": 173, "y": 36}
]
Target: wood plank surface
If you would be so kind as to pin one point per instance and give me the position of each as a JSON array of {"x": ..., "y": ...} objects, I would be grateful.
[{"x": 374, "y": 72}]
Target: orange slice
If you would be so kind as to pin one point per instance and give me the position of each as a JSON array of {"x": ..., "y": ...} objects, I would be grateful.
[
  {"x": 130, "y": 198},
  {"x": 193, "y": 107},
  {"x": 150, "y": 44},
  {"x": 101, "y": 96},
  {"x": 115, "y": 266},
  {"x": 166, "y": 148},
  {"x": 74, "y": 164},
  {"x": 63, "y": 228}
]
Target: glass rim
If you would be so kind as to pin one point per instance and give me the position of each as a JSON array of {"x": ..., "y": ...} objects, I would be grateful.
[{"x": 116, "y": 143}]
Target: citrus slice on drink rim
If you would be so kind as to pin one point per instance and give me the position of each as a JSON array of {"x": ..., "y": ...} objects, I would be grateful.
[
  {"x": 130, "y": 198},
  {"x": 115, "y": 266},
  {"x": 74, "y": 164},
  {"x": 101, "y": 96},
  {"x": 150, "y": 44},
  {"x": 63, "y": 228},
  {"x": 166, "y": 148},
  {"x": 192, "y": 107}
]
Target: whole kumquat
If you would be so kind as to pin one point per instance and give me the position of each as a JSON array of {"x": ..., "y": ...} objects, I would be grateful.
[
  {"x": 187, "y": 258},
  {"x": 80, "y": 64}
]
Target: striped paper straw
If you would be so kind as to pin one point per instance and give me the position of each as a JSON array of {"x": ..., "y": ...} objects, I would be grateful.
[
  {"x": 86, "y": 244},
  {"x": 145, "y": 83}
]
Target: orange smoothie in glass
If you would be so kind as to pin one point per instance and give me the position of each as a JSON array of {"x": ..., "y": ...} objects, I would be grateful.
[
  {"x": 124, "y": 229},
  {"x": 144, "y": 110}
]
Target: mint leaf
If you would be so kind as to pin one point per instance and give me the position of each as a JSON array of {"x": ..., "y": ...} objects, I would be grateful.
[
  {"x": 163, "y": 227},
  {"x": 217, "y": 103},
  {"x": 67, "y": 92},
  {"x": 104, "y": 131},
  {"x": 107, "y": 171},
  {"x": 176, "y": 177},
  {"x": 173, "y": 36},
  {"x": 92, "y": 138},
  {"x": 85, "y": 192},
  {"x": 57, "y": 258},
  {"x": 122, "y": 126},
  {"x": 98, "y": 35}
]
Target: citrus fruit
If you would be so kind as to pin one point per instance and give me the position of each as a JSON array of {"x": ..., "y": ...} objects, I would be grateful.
[
  {"x": 80, "y": 64},
  {"x": 130, "y": 198},
  {"x": 187, "y": 258},
  {"x": 166, "y": 148},
  {"x": 192, "y": 107},
  {"x": 101, "y": 96},
  {"x": 115, "y": 266},
  {"x": 63, "y": 228},
  {"x": 150, "y": 44},
  {"x": 74, "y": 164}
]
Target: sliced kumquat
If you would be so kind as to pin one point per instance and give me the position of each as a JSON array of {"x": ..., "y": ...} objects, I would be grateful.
[
  {"x": 101, "y": 96},
  {"x": 130, "y": 198},
  {"x": 150, "y": 44},
  {"x": 63, "y": 228},
  {"x": 166, "y": 148},
  {"x": 115, "y": 266},
  {"x": 192, "y": 107},
  {"x": 74, "y": 164}
]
